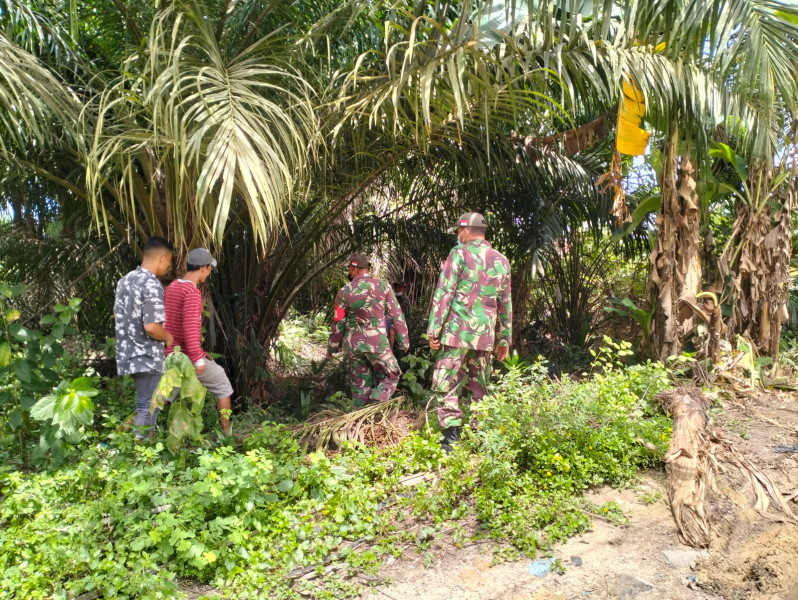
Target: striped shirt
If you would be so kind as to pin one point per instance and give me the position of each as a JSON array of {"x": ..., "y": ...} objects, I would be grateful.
[{"x": 183, "y": 306}]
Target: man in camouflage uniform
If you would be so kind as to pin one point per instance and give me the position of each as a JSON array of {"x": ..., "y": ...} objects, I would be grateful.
[
  {"x": 471, "y": 316},
  {"x": 362, "y": 308}
]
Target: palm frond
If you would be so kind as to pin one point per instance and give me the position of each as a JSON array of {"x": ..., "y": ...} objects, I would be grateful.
[
  {"x": 331, "y": 428},
  {"x": 220, "y": 129},
  {"x": 33, "y": 100}
]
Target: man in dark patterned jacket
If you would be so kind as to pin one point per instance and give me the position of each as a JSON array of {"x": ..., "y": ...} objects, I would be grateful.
[
  {"x": 140, "y": 336},
  {"x": 471, "y": 316},
  {"x": 361, "y": 310}
]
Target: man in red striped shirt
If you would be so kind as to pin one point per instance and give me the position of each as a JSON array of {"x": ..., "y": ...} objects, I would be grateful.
[{"x": 183, "y": 306}]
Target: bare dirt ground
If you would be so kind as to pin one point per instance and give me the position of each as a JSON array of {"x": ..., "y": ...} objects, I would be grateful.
[{"x": 751, "y": 556}]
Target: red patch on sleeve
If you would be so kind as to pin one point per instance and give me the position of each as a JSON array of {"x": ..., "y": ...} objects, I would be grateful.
[{"x": 340, "y": 313}]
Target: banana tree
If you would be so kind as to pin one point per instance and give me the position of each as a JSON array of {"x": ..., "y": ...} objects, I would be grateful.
[{"x": 755, "y": 261}]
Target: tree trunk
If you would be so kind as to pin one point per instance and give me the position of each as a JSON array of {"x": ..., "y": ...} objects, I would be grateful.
[
  {"x": 521, "y": 287},
  {"x": 757, "y": 260},
  {"x": 664, "y": 336},
  {"x": 676, "y": 259}
]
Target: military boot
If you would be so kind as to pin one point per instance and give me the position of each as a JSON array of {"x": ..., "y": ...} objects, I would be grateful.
[{"x": 451, "y": 435}]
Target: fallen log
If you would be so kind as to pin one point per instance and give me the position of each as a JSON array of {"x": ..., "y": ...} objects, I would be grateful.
[
  {"x": 688, "y": 464},
  {"x": 692, "y": 462}
]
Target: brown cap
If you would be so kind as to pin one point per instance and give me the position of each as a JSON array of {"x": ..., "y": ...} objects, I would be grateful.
[
  {"x": 469, "y": 219},
  {"x": 361, "y": 261}
]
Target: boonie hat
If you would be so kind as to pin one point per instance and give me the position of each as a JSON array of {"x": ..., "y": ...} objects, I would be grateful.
[
  {"x": 361, "y": 261},
  {"x": 201, "y": 257},
  {"x": 469, "y": 219}
]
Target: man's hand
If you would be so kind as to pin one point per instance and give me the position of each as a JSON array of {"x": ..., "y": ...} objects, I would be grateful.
[
  {"x": 157, "y": 332},
  {"x": 200, "y": 369},
  {"x": 501, "y": 352},
  {"x": 434, "y": 343}
]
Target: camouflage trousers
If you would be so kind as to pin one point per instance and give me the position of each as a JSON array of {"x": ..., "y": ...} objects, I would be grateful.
[
  {"x": 375, "y": 375},
  {"x": 453, "y": 368}
]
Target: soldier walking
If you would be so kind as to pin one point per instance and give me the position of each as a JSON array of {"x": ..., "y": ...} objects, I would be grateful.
[
  {"x": 471, "y": 316},
  {"x": 362, "y": 308}
]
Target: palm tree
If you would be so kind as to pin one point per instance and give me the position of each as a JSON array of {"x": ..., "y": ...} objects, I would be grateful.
[
  {"x": 189, "y": 134},
  {"x": 35, "y": 102}
]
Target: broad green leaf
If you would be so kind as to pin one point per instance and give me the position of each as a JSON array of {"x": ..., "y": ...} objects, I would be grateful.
[
  {"x": 66, "y": 317},
  {"x": 645, "y": 208},
  {"x": 49, "y": 374},
  {"x": 85, "y": 386},
  {"x": 17, "y": 290},
  {"x": 139, "y": 543},
  {"x": 60, "y": 308},
  {"x": 5, "y": 354},
  {"x": 22, "y": 370},
  {"x": 44, "y": 409},
  {"x": 47, "y": 320},
  {"x": 58, "y": 331},
  {"x": 173, "y": 444},
  {"x": 181, "y": 421},
  {"x": 11, "y": 315},
  {"x": 22, "y": 333},
  {"x": 5, "y": 290},
  {"x": 192, "y": 389},
  {"x": 84, "y": 412},
  {"x": 285, "y": 485},
  {"x": 15, "y": 419},
  {"x": 27, "y": 402},
  {"x": 726, "y": 153}
]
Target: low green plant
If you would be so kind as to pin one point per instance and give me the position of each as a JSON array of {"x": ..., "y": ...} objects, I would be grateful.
[
  {"x": 644, "y": 318},
  {"x": 414, "y": 382},
  {"x": 130, "y": 520},
  {"x": 185, "y": 410},
  {"x": 65, "y": 414},
  {"x": 540, "y": 443},
  {"x": 650, "y": 497},
  {"x": 30, "y": 365}
]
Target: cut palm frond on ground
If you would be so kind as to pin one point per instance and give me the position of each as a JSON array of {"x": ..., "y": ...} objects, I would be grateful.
[{"x": 383, "y": 423}]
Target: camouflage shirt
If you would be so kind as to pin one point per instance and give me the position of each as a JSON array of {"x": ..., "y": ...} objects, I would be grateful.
[
  {"x": 362, "y": 308},
  {"x": 139, "y": 301},
  {"x": 471, "y": 307}
]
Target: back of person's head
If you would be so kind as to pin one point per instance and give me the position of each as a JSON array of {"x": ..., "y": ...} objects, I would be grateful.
[
  {"x": 476, "y": 231},
  {"x": 157, "y": 245}
]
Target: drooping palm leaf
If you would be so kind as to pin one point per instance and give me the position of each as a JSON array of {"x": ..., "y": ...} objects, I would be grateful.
[
  {"x": 203, "y": 131},
  {"x": 33, "y": 100}
]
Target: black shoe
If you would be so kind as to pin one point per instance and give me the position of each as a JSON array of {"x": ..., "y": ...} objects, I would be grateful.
[{"x": 451, "y": 435}]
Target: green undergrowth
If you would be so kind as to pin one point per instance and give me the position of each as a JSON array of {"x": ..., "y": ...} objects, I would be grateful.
[{"x": 264, "y": 521}]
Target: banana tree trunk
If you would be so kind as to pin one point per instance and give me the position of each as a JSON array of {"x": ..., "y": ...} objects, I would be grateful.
[
  {"x": 675, "y": 261},
  {"x": 756, "y": 261}
]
